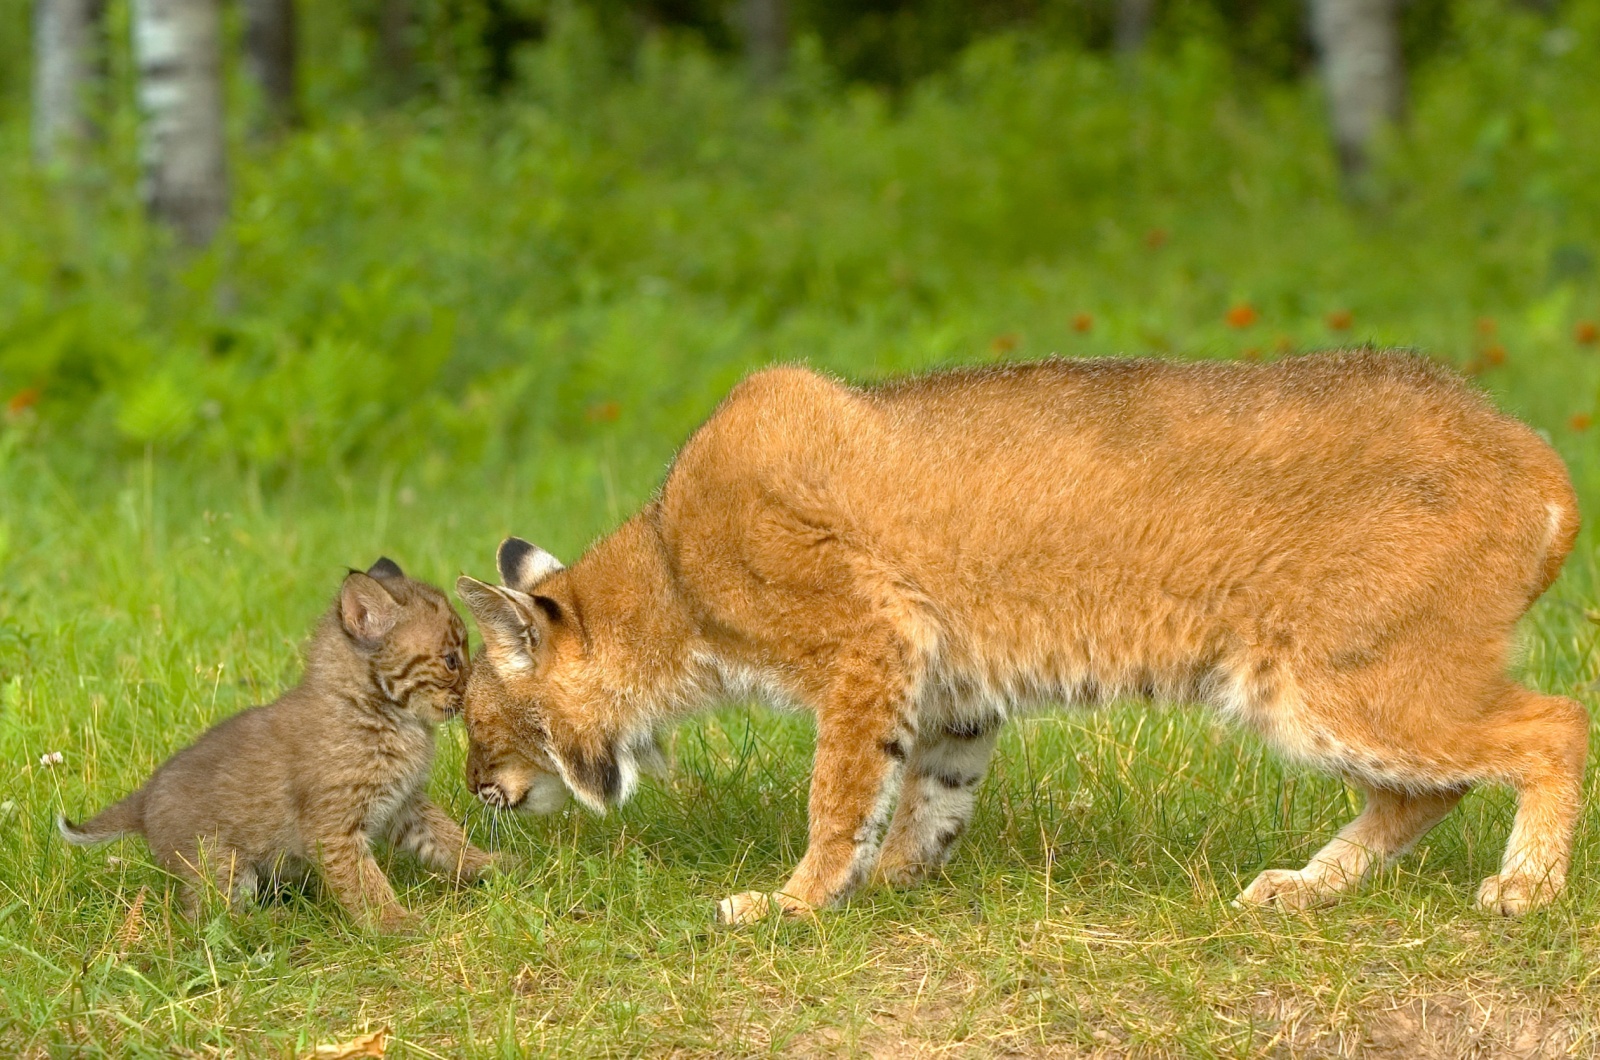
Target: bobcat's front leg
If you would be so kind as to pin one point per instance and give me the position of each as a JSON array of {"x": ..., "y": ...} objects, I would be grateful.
[
  {"x": 865, "y": 731},
  {"x": 427, "y": 832},
  {"x": 357, "y": 880}
]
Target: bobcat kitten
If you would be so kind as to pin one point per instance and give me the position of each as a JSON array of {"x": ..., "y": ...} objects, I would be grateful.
[{"x": 339, "y": 761}]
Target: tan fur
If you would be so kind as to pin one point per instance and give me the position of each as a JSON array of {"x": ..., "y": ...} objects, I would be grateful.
[
  {"x": 338, "y": 762},
  {"x": 1332, "y": 550}
]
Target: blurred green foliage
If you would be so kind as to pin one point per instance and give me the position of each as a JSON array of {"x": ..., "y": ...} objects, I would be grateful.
[{"x": 601, "y": 250}]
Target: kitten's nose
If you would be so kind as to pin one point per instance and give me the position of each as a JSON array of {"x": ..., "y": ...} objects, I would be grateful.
[{"x": 494, "y": 795}]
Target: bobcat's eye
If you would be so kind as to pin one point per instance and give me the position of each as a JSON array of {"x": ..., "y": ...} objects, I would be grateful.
[{"x": 452, "y": 661}]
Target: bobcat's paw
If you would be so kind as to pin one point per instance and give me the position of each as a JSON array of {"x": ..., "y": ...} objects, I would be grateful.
[
  {"x": 399, "y": 922},
  {"x": 897, "y": 874},
  {"x": 1286, "y": 889},
  {"x": 754, "y": 906},
  {"x": 477, "y": 865},
  {"x": 1516, "y": 895}
]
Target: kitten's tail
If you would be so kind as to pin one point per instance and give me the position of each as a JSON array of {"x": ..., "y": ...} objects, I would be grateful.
[{"x": 118, "y": 819}]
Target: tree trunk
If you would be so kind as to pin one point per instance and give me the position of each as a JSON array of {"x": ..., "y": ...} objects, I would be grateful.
[
  {"x": 1362, "y": 70},
  {"x": 1133, "y": 24},
  {"x": 765, "y": 26},
  {"x": 269, "y": 57},
  {"x": 177, "y": 47},
  {"x": 68, "y": 74},
  {"x": 394, "y": 48}
]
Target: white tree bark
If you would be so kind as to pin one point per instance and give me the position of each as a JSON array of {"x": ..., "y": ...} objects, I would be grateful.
[
  {"x": 177, "y": 46},
  {"x": 765, "y": 25},
  {"x": 270, "y": 58},
  {"x": 1132, "y": 24},
  {"x": 1362, "y": 70},
  {"x": 68, "y": 73},
  {"x": 394, "y": 48}
]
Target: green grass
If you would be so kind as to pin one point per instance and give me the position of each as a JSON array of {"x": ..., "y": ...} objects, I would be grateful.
[
  {"x": 1087, "y": 911},
  {"x": 428, "y": 330}
]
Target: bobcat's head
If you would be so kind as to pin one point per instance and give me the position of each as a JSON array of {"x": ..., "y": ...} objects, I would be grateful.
[{"x": 540, "y": 719}]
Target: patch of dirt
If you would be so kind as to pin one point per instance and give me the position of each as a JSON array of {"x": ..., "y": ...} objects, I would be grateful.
[{"x": 1441, "y": 1027}]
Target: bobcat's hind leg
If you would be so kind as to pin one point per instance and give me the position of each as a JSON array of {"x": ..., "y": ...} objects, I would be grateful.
[
  {"x": 213, "y": 870},
  {"x": 937, "y": 797},
  {"x": 1538, "y": 744},
  {"x": 1390, "y": 823}
]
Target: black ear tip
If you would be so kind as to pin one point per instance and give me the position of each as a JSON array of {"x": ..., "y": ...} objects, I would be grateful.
[
  {"x": 511, "y": 552},
  {"x": 385, "y": 568}
]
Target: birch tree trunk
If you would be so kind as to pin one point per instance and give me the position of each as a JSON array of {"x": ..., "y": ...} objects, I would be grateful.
[
  {"x": 394, "y": 48},
  {"x": 270, "y": 59},
  {"x": 1362, "y": 70},
  {"x": 765, "y": 25},
  {"x": 1132, "y": 25},
  {"x": 177, "y": 48},
  {"x": 68, "y": 74}
]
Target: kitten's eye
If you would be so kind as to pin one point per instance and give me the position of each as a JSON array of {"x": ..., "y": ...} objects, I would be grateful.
[{"x": 452, "y": 661}]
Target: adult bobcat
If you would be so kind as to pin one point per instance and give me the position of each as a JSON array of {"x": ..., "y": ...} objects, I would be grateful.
[{"x": 1332, "y": 550}]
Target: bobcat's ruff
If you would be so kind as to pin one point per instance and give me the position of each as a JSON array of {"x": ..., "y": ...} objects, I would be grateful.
[{"x": 1332, "y": 550}]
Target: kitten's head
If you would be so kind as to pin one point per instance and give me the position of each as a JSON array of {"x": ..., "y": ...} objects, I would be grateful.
[{"x": 411, "y": 639}]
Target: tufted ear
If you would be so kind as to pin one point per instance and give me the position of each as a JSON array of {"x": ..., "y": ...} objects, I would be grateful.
[
  {"x": 366, "y": 610},
  {"x": 511, "y": 623},
  {"x": 524, "y": 565},
  {"x": 385, "y": 568}
]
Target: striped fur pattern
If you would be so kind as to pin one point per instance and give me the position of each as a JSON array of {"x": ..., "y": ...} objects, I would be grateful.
[
  {"x": 338, "y": 763},
  {"x": 1331, "y": 550}
]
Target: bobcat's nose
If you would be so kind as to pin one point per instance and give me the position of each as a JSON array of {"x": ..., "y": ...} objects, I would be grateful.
[{"x": 496, "y": 796}]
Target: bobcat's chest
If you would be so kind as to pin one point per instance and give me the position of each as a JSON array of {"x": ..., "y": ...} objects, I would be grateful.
[{"x": 400, "y": 770}]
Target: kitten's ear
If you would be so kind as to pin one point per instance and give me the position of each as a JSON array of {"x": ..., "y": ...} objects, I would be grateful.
[
  {"x": 509, "y": 621},
  {"x": 385, "y": 568},
  {"x": 366, "y": 610},
  {"x": 523, "y": 565}
]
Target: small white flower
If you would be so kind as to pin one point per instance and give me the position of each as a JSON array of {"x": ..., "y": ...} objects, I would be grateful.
[{"x": 54, "y": 758}]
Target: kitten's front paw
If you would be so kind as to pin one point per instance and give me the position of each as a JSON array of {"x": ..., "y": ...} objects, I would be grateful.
[
  {"x": 476, "y": 864},
  {"x": 502, "y": 864},
  {"x": 1516, "y": 895},
  {"x": 1286, "y": 889},
  {"x": 754, "y": 906},
  {"x": 399, "y": 922}
]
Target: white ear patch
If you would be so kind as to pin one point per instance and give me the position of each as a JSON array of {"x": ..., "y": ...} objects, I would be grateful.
[{"x": 523, "y": 565}]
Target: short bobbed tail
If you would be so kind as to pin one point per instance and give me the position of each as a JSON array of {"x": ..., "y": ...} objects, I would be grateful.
[{"x": 119, "y": 819}]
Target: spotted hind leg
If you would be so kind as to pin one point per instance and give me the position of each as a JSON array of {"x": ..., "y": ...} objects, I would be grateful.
[
  {"x": 211, "y": 869},
  {"x": 937, "y": 797}
]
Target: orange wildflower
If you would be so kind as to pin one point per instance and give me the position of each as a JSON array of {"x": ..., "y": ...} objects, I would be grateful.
[
  {"x": 23, "y": 399},
  {"x": 1156, "y": 238},
  {"x": 1587, "y": 333},
  {"x": 1339, "y": 320},
  {"x": 1242, "y": 315},
  {"x": 1581, "y": 421},
  {"x": 1487, "y": 326},
  {"x": 603, "y": 412},
  {"x": 1082, "y": 323},
  {"x": 1495, "y": 354},
  {"x": 1001, "y": 345}
]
